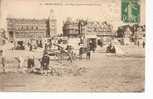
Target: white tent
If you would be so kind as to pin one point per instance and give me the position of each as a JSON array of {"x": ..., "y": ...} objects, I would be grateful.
[{"x": 118, "y": 47}]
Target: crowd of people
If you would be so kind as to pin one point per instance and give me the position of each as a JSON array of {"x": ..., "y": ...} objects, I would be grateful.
[
  {"x": 91, "y": 47},
  {"x": 31, "y": 64},
  {"x": 110, "y": 49},
  {"x": 32, "y": 45},
  {"x": 47, "y": 46}
]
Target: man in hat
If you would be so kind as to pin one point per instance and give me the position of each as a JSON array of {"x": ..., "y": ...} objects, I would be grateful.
[
  {"x": 30, "y": 63},
  {"x": 45, "y": 62}
]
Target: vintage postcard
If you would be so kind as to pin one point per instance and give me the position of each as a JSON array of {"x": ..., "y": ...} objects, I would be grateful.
[{"x": 72, "y": 45}]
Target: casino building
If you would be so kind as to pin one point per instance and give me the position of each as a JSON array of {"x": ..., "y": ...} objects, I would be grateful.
[
  {"x": 91, "y": 30},
  {"x": 21, "y": 29}
]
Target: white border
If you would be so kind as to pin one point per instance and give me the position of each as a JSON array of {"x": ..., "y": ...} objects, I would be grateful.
[{"x": 148, "y": 94}]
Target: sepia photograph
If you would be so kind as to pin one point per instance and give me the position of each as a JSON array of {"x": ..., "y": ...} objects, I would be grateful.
[{"x": 72, "y": 45}]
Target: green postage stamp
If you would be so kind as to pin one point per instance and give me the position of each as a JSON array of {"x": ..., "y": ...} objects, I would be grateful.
[{"x": 130, "y": 11}]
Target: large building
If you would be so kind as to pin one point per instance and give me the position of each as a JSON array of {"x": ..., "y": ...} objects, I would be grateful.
[
  {"x": 31, "y": 28},
  {"x": 88, "y": 29},
  {"x": 71, "y": 28}
]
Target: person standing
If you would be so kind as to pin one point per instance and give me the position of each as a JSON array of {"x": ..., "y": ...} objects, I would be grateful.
[
  {"x": 30, "y": 47},
  {"x": 41, "y": 45},
  {"x": 50, "y": 44},
  {"x": 90, "y": 45},
  {"x": 46, "y": 46},
  {"x": 138, "y": 43},
  {"x": 3, "y": 64},
  {"x": 113, "y": 50},
  {"x": 143, "y": 44},
  {"x": 108, "y": 49},
  {"x": 20, "y": 61},
  {"x": 45, "y": 62},
  {"x": 80, "y": 52},
  {"x": 88, "y": 54},
  {"x": 30, "y": 63},
  {"x": 3, "y": 61}
]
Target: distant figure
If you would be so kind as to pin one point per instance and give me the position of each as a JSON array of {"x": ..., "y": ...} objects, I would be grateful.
[
  {"x": 92, "y": 46},
  {"x": 138, "y": 43},
  {"x": 46, "y": 46},
  {"x": 3, "y": 64},
  {"x": 113, "y": 50},
  {"x": 88, "y": 54},
  {"x": 100, "y": 43},
  {"x": 30, "y": 47},
  {"x": 108, "y": 50},
  {"x": 30, "y": 63},
  {"x": 20, "y": 60},
  {"x": 50, "y": 44},
  {"x": 3, "y": 61},
  {"x": 41, "y": 45},
  {"x": 80, "y": 52},
  {"x": 45, "y": 62},
  {"x": 143, "y": 44}
]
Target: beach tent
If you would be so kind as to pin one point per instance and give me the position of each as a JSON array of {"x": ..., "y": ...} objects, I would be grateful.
[{"x": 118, "y": 47}]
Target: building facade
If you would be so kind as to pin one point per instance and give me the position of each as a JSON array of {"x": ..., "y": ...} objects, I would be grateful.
[
  {"x": 88, "y": 29},
  {"x": 31, "y": 28},
  {"x": 71, "y": 28},
  {"x": 99, "y": 31}
]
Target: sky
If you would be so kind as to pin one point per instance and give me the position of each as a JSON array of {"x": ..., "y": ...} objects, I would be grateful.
[{"x": 100, "y": 10}]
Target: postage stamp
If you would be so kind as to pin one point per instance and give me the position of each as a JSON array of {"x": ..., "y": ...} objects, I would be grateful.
[{"x": 130, "y": 11}]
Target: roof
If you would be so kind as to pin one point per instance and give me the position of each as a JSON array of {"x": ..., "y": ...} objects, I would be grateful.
[{"x": 22, "y": 20}]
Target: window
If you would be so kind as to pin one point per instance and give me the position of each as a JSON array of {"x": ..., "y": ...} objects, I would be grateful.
[{"x": 36, "y": 27}]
